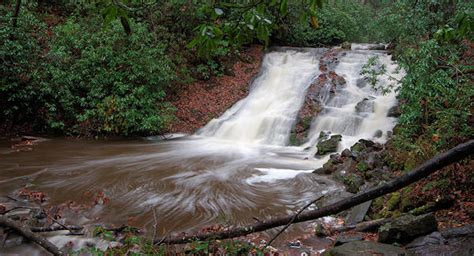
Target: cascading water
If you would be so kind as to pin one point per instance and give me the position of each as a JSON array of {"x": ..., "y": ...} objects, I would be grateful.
[
  {"x": 236, "y": 167},
  {"x": 267, "y": 114},
  {"x": 357, "y": 110}
]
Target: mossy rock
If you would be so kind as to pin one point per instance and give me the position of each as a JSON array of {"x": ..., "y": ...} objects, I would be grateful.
[
  {"x": 362, "y": 145},
  {"x": 394, "y": 200},
  {"x": 328, "y": 146},
  {"x": 353, "y": 182},
  {"x": 407, "y": 227}
]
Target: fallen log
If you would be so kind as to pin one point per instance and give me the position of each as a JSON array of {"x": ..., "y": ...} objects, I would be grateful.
[
  {"x": 28, "y": 234},
  {"x": 427, "y": 168},
  {"x": 365, "y": 226},
  {"x": 56, "y": 228}
]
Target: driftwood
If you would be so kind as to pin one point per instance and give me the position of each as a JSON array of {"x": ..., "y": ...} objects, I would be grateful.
[
  {"x": 55, "y": 228},
  {"x": 427, "y": 168},
  {"x": 26, "y": 232}
]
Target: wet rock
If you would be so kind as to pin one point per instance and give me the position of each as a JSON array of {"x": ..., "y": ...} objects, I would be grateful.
[
  {"x": 362, "y": 145},
  {"x": 357, "y": 213},
  {"x": 394, "y": 111},
  {"x": 347, "y": 153},
  {"x": 406, "y": 228},
  {"x": 335, "y": 197},
  {"x": 353, "y": 182},
  {"x": 363, "y": 248},
  {"x": 361, "y": 82},
  {"x": 365, "y": 106},
  {"x": 434, "y": 238},
  {"x": 455, "y": 241},
  {"x": 330, "y": 166},
  {"x": 347, "y": 238},
  {"x": 319, "y": 231},
  {"x": 373, "y": 160},
  {"x": 378, "y": 134},
  {"x": 378, "y": 174},
  {"x": 346, "y": 45},
  {"x": 467, "y": 230},
  {"x": 329, "y": 145},
  {"x": 324, "y": 135}
]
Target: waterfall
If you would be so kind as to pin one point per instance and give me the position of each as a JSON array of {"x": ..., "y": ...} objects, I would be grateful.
[
  {"x": 270, "y": 110},
  {"x": 267, "y": 115},
  {"x": 357, "y": 110}
]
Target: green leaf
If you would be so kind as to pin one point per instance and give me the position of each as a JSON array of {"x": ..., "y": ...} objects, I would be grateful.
[{"x": 283, "y": 7}]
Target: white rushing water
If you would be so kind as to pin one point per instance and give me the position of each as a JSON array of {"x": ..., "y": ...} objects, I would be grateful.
[
  {"x": 357, "y": 110},
  {"x": 268, "y": 113}
]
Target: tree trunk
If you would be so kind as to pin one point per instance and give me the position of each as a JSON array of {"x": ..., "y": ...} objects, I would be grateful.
[
  {"x": 427, "y": 168},
  {"x": 16, "y": 13}
]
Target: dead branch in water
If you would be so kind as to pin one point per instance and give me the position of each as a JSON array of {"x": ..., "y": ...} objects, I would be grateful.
[
  {"x": 26, "y": 232},
  {"x": 427, "y": 168},
  {"x": 56, "y": 228},
  {"x": 293, "y": 219}
]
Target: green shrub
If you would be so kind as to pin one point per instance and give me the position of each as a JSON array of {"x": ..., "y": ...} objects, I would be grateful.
[
  {"x": 338, "y": 22},
  {"x": 21, "y": 97},
  {"x": 107, "y": 82}
]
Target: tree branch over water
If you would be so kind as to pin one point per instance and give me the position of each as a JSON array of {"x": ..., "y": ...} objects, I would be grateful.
[{"x": 453, "y": 155}]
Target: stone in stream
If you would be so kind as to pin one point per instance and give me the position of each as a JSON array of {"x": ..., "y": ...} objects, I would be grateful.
[
  {"x": 406, "y": 228},
  {"x": 365, "y": 106},
  {"x": 364, "y": 248},
  {"x": 328, "y": 145},
  {"x": 378, "y": 134},
  {"x": 362, "y": 145},
  {"x": 361, "y": 82}
]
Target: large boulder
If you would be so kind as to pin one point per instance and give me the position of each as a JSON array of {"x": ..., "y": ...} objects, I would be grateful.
[
  {"x": 328, "y": 146},
  {"x": 363, "y": 248},
  {"x": 406, "y": 228}
]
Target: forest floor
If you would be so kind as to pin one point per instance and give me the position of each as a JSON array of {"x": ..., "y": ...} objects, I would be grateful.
[{"x": 198, "y": 103}]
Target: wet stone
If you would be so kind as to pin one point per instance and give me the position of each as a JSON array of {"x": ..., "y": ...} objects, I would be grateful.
[
  {"x": 394, "y": 111},
  {"x": 365, "y": 106},
  {"x": 347, "y": 238},
  {"x": 329, "y": 145},
  {"x": 361, "y": 82},
  {"x": 378, "y": 134},
  {"x": 363, "y": 248},
  {"x": 454, "y": 241},
  {"x": 406, "y": 228},
  {"x": 357, "y": 213}
]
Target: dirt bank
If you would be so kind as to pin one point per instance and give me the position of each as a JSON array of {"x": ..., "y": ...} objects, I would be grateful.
[{"x": 201, "y": 101}]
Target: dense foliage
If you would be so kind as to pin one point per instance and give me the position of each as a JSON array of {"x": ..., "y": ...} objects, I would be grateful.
[
  {"x": 114, "y": 84},
  {"x": 435, "y": 50}
]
